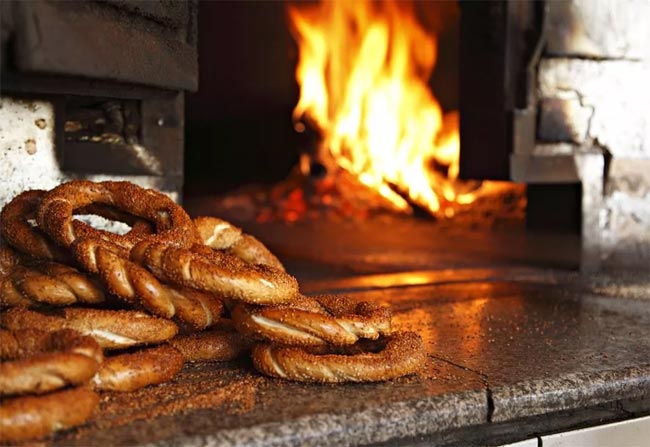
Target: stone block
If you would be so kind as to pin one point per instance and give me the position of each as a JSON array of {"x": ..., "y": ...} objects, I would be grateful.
[
  {"x": 563, "y": 120},
  {"x": 603, "y": 29},
  {"x": 28, "y": 157},
  {"x": 625, "y": 232},
  {"x": 625, "y": 216},
  {"x": 616, "y": 91},
  {"x": 630, "y": 177}
]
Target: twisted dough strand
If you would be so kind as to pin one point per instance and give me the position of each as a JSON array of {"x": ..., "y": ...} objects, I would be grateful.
[
  {"x": 113, "y": 329},
  {"x": 214, "y": 345},
  {"x": 8, "y": 259},
  {"x": 135, "y": 370},
  {"x": 30, "y": 417},
  {"x": 9, "y": 294},
  {"x": 199, "y": 310},
  {"x": 34, "y": 361},
  {"x": 211, "y": 271},
  {"x": 16, "y": 229},
  {"x": 325, "y": 319},
  {"x": 221, "y": 235},
  {"x": 401, "y": 354},
  {"x": 48, "y": 283},
  {"x": 136, "y": 284},
  {"x": 122, "y": 277}
]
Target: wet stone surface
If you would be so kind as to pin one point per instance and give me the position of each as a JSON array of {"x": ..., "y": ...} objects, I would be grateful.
[{"x": 538, "y": 347}]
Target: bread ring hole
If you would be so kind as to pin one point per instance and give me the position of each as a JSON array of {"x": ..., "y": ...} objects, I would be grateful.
[
  {"x": 102, "y": 223},
  {"x": 107, "y": 218}
]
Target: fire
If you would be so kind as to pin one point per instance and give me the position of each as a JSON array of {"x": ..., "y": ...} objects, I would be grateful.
[{"x": 363, "y": 72}]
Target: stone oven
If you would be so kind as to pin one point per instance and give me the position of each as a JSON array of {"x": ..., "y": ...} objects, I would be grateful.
[
  {"x": 534, "y": 327},
  {"x": 551, "y": 94}
]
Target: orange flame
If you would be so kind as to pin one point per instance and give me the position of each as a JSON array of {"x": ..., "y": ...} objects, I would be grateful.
[{"x": 363, "y": 72}]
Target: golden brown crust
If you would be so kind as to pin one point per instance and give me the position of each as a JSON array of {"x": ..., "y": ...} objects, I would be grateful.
[
  {"x": 85, "y": 289},
  {"x": 254, "y": 251},
  {"x": 113, "y": 329},
  {"x": 212, "y": 345},
  {"x": 55, "y": 213},
  {"x": 135, "y": 284},
  {"x": 402, "y": 354},
  {"x": 16, "y": 229},
  {"x": 221, "y": 235},
  {"x": 132, "y": 371},
  {"x": 34, "y": 361},
  {"x": 198, "y": 310},
  {"x": 48, "y": 283},
  {"x": 10, "y": 295},
  {"x": 16, "y": 226},
  {"x": 29, "y": 418},
  {"x": 217, "y": 233},
  {"x": 321, "y": 320},
  {"x": 123, "y": 278},
  {"x": 211, "y": 271},
  {"x": 8, "y": 259}
]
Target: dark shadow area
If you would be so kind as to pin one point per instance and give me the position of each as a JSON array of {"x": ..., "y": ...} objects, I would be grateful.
[{"x": 238, "y": 127}]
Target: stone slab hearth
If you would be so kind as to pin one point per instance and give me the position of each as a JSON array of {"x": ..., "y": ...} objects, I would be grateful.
[{"x": 513, "y": 351}]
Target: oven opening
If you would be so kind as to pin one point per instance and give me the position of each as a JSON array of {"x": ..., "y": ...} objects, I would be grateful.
[
  {"x": 376, "y": 119},
  {"x": 345, "y": 115},
  {"x": 474, "y": 118}
]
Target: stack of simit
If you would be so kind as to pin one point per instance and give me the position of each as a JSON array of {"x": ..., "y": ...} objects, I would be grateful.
[{"x": 162, "y": 294}]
